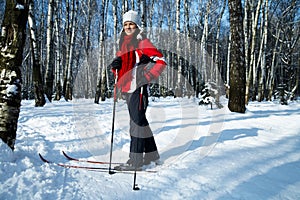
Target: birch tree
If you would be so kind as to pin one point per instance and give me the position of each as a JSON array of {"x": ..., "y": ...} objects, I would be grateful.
[
  {"x": 115, "y": 16},
  {"x": 125, "y": 6},
  {"x": 216, "y": 61},
  {"x": 13, "y": 35},
  {"x": 58, "y": 75},
  {"x": 87, "y": 45},
  {"x": 178, "y": 91},
  {"x": 102, "y": 71},
  {"x": 69, "y": 88},
  {"x": 263, "y": 53},
  {"x": 252, "y": 64},
  {"x": 37, "y": 76},
  {"x": 237, "y": 58},
  {"x": 246, "y": 33},
  {"x": 187, "y": 53},
  {"x": 49, "y": 76},
  {"x": 203, "y": 43},
  {"x": 143, "y": 14},
  {"x": 132, "y": 5}
]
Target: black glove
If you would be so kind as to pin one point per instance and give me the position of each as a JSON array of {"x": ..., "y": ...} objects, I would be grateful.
[
  {"x": 116, "y": 63},
  {"x": 144, "y": 59}
]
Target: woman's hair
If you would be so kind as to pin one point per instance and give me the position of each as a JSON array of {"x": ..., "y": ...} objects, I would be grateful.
[{"x": 135, "y": 40}]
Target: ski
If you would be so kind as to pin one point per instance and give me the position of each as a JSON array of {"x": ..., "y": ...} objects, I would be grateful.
[
  {"x": 98, "y": 169},
  {"x": 88, "y": 161}
]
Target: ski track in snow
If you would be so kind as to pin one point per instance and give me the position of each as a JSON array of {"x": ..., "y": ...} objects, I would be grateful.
[{"x": 207, "y": 154}]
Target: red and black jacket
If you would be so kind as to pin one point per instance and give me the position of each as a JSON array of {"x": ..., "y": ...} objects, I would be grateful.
[{"x": 129, "y": 79}]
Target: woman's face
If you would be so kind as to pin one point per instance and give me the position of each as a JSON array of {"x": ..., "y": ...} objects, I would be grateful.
[{"x": 129, "y": 27}]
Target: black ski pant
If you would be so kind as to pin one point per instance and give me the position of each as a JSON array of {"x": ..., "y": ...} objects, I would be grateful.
[{"x": 142, "y": 140}]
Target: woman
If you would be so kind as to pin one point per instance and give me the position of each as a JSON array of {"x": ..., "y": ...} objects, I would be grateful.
[{"x": 137, "y": 63}]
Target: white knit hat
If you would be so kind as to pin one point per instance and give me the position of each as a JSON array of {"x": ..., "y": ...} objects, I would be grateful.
[{"x": 132, "y": 16}]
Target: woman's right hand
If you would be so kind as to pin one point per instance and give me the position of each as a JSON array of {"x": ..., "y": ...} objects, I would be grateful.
[{"x": 116, "y": 63}]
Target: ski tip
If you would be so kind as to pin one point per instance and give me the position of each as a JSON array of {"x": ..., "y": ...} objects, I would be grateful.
[
  {"x": 43, "y": 159},
  {"x": 66, "y": 155}
]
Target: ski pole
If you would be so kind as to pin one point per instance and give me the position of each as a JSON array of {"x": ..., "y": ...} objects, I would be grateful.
[
  {"x": 113, "y": 124},
  {"x": 135, "y": 187}
]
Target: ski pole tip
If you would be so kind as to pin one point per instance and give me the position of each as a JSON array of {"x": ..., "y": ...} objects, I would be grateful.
[{"x": 136, "y": 188}]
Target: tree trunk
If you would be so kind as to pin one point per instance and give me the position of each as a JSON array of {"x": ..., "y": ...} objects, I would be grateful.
[
  {"x": 101, "y": 63},
  {"x": 262, "y": 79},
  {"x": 115, "y": 16},
  {"x": 36, "y": 72},
  {"x": 143, "y": 15},
  {"x": 249, "y": 81},
  {"x": 271, "y": 77},
  {"x": 217, "y": 66},
  {"x": 179, "y": 85},
  {"x": 237, "y": 58},
  {"x": 246, "y": 34},
  {"x": 87, "y": 48},
  {"x": 58, "y": 74},
  {"x": 132, "y": 5},
  {"x": 49, "y": 76},
  {"x": 204, "y": 42},
  {"x": 150, "y": 17},
  {"x": 69, "y": 85},
  {"x": 12, "y": 41},
  {"x": 125, "y": 6}
]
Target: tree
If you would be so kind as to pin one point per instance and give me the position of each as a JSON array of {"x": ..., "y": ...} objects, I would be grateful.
[
  {"x": 237, "y": 58},
  {"x": 58, "y": 53},
  {"x": 71, "y": 44},
  {"x": 179, "y": 89},
  {"x": 49, "y": 76},
  {"x": 252, "y": 64},
  {"x": 263, "y": 54},
  {"x": 11, "y": 44},
  {"x": 37, "y": 76},
  {"x": 101, "y": 64}
]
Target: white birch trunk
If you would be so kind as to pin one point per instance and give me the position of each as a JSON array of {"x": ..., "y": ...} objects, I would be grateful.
[
  {"x": 49, "y": 52},
  {"x": 150, "y": 29},
  {"x": 143, "y": 15},
  {"x": 104, "y": 78},
  {"x": 262, "y": 80},
  {"x": 204, "y": 42},
  {"x": 124, "y": 6},
  {"x": 178, "y": 50},
  {"x": 251, "y": 74},
  {"x": 68, "y": 95},
  {"x": 228, "y": 66},
  {"x": 58, "y": 75},
  {"x": 246, "y": 35},
  {"x": 216, "y": 62},
  {"x": 270, "y": 83},
  {"x": 36, "y": 69},
  {"x": 115, "y": 16}
]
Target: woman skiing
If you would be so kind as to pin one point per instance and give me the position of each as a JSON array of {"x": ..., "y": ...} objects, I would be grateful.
[{"x": 137, "y": 63}]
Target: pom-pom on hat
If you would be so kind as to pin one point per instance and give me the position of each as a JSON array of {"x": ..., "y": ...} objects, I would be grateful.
[{"x": 132, "y": 16}]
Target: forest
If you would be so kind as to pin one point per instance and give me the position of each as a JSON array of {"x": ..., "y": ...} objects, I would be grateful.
[{"x": 248, "y": 50}]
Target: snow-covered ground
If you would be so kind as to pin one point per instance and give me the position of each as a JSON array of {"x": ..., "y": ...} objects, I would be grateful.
[{"x": 207, "y": 154}]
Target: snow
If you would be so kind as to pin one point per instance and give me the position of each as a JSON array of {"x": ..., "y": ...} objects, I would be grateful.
[
  {"x": 206, "y": 154},
  {"x": 20, "y": 7}
]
